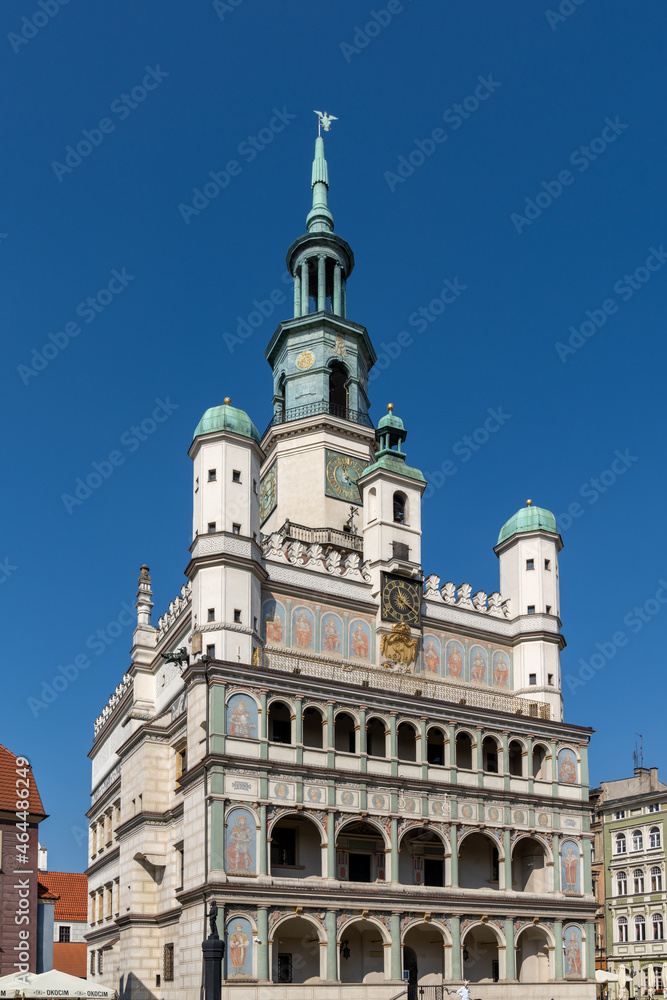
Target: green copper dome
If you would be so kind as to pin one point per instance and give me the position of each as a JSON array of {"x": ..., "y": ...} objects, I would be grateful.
[
  {"x": 227, "y": 418},
  {"x": 389, "y": 420},
  {"x": 529, "y": 518}
]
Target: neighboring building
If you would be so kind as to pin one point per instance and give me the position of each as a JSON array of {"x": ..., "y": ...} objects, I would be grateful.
[
  {"x": 632, "y": 814},
  {"x": 70, "y": 919},
  {"x": 598, "y": 878},
  {"x": 26, "y": 915},
  {"x": 367, "y": 770}
]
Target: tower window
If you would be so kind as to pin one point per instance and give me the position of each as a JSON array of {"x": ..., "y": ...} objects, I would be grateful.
[
  {"x": 532, "y": 678},
  {"x": 210, "y": 651},
  {"x": 531, "y": 609},
  {"x": 548, "y": 609},
  {"x": 236, "y": 529},
  {"x": 547, "y": 564},
  {"x": 212, "y": 475},
  {"x": 400, "y": 505},
  {"x": 211, "y": 527},
  {"x": 237, "y": 614},
  {"x": 550, "y": 678},
  {"x": 338, "y": 395},
  {"x": 254, "y": 486},
  {"x": 236, "y": 476},
  {"x": 530, "y": 564},
  {"x": 211, "y": 615}
]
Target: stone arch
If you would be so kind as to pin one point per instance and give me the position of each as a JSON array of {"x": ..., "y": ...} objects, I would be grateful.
[
  {"x": 407, "y": 742},
  {"x": 280, "y": 718},
  {"x": 295, "y": 943},
  {"x": 422, "y": 852},
  {"x": 430, "y": 956},
  {"x": 539, "y": 763},
  {"x": 492, "y": 748},
  {"x": 532, "y": 864},
  {"x": 239, "y": 933},
  {"x": 339, "y": 381},
  {"x": 418, "y": 825},
  {"x": 400, "y": 509},
  {"x": 361, "y": 851},
  {"x": 436, "y": 738},
  {"x": 369, "y": 821},
  {"x": 534, "y": 949},
  {"x": 484, "y": 945},
  {"x": 242, "y": 714},
  {"x": 361, "y": 936},
  {"x": 516, "y": 751},
  {"x": 376, "y": 739},
  {"x": 480, "y": 856},
  {"x": 286, "y": 813},
  {"x": 312, "y": 729},
  {"x": 345, "y": 733},
  {"x": 465, "y": 745}
]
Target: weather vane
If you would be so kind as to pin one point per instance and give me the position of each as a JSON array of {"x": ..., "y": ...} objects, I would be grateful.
[{"x": 324, "y": 121}]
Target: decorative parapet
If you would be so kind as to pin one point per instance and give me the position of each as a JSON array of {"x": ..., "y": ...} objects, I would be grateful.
[
  {"x": 462, "y": 597},
  {"x": 115, "y": 697},
  {"x": 174, "y": 610},
  {"x": 315, "y": 556}
]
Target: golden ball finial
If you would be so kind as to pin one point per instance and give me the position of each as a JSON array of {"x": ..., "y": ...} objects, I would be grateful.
[
  {"x": 390, "y": 407},
  {"x": 529, "y": 503},
  {"x": 227, "y": 401}
]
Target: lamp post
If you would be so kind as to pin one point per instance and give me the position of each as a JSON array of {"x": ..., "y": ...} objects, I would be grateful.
[{"x": 214, "y": 951}]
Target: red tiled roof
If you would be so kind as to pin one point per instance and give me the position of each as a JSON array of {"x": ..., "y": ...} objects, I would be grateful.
[
  {"x": 44, "y": 893},
  {"x": 72, "y": 890},
  {"x": 70, "y": 958},
  {"x": 8, "y": 786}
]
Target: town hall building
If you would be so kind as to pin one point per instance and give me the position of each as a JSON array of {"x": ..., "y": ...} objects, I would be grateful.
[{"x": 366, "y": 768}]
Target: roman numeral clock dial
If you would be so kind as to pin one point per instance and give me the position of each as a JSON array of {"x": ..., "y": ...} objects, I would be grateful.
[
  {"x": 401, "y": 600},
  {"x": 341, "y": 474}
]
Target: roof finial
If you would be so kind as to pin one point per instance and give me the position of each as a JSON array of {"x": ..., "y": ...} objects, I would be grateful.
[
  {"x": 320, "y": 219},
  {"x": 390, "y": 407},
  {"x": 529, "y": 503},
  {"x": 324, "y": 121},
  {"x": 226, "y": 401}
]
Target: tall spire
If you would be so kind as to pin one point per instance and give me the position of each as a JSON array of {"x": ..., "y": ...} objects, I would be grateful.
[{"x": 320, "y": 219}]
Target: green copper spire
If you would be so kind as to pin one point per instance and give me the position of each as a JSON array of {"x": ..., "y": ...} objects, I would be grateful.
[
  {"x": 320, "y": 219},
  {"x": 390, "y": 435}
]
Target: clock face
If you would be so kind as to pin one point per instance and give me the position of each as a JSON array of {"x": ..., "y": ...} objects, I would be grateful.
[
  {"x": 268, "y": 493},
  {"x": 401, "y": 600},
  {"x": 341, "y": 474}
]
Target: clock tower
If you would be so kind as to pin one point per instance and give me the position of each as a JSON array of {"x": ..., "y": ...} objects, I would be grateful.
[{"x": 320, "y": 438}]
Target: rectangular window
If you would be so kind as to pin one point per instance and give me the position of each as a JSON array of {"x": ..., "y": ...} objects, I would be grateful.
[
  {"x": 181, "y": 761},
  {"x": 547, "y": 564},
  {"x": 548, "y": 609},
  {"x": 180, "y": 865},
  {"x": 532, "y": 678},
  {"x": 211, "y": 614},
  {"x": 495, "y": 970},
  {"x": 530, "y": 564},
  {"x": 550, "y": 679},
  {"x": 620, "y": 814},
  {"x": 654, "y": 807},
  {"x": 64, "y": 933},
  {"x": 283, "y": 847},
  {"x": 236, "y": 476},
  {"x": 100, "y": 963},
  {"x": 657, "y": 975},
  {"x": 168, "y": 963},
  {"x": 210, "y": 651},
  {"x": 284, "y": 967},
  {"x": 92, "y": 963},
  {"x": 531, "y": 609},
  {"x": 237, "y": 615},
  {"x": 212, "y": 475},
  {"x": 236, "y": 529},
  {"x": 211, "y": 527}
]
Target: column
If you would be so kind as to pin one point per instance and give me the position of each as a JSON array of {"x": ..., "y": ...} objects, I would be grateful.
[
  {"x": 479, "y": 754},
  {"x": 454, "y": 860},
  {"x": 583, "y": 754},
  {"x": 343, "y": 299},
  {"x": 558, "y": 942},
  {"x": 262, "y": 842},
  {"x": 263, "y": 726},
  {"x": 452, "y": 752},
  {"x": 331, "y": 844},
  {"x": 510, "y": 965},
  {"x": 393, "y": 748},
  {"x": 329, "y": 732},
  {"x": 297, "y": 295},
  {"x": 305, "y": 304},
  {"x": 321, "y": 282},
  {"x": 587, "y": 881},
  {"x": 263, "y": 943},
  {"x": 394, "y": 850},
  {"x": 456, "y": 947},
  {"x": 423, "y": 753},
  {"x": 590, "y": 949},
  {"x": 363, "y": 747},
  {"x": 529, "y": 772},
  {"x": 505, "y": 768},
  {"x": 298, "y": 726},
  {"x": 556, "y": 850},
  {"x": 337, "y": 290},
  {"x": 396, "y": 962},
  {"x": 332, "y": 945},
  {"x": 507, "y": 848}
]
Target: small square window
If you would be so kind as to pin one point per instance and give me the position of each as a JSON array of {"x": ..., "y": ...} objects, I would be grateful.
[
  {"x": 654, "y": 808},
  {"x": 64, "y": 933},
  {"x": 548, "y": 609},
  {"x": 236, "y": 475},
  {"x": 530, "y": 564},
  {"x": 211, "y": 527},
  {"x": 237, "y": 614},
  {"x": 236, "y": 529},
  {"x": 168, "y": 963},
  {"x": 531, "y": 609},
  {"x": 547, "y": 564},
  {"x": 210, "y": 651},
  {"x": 212, "y": 475},
  {"x": 550, "y": 679},
  {"x": 211, "y": 614},
  {"x": 532, "y": 678}
]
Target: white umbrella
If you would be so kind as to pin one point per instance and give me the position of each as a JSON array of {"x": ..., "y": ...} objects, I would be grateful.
[
  {"x": 602, "y": 976},
  {"x": 11, "y": 985},
  {"x": 54, "y": 983}
]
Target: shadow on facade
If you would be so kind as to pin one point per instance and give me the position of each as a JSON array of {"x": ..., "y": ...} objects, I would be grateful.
[{"x": 130, "y": 987}]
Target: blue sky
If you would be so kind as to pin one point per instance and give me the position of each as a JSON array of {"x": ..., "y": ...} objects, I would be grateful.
[{"x": 540, "y": 199}]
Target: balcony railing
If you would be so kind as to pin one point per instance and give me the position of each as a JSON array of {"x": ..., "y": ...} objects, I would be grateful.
[
  {"x": 314, "y": 409},
  {"x": 322, "y": 536},
  {"x": 329, "y": 668}
]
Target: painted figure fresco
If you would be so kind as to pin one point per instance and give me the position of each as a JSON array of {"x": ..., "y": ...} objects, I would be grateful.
[
  {"x": 302, "y": 628},
  {"x": 274, "y": 621},
  {"x": 567, "y": 767},
  {"x": 242, "y": 716},
  {"x": 454, "y": 659},
  {"x": 573, "y": 949},
  {"x": 569, "y": 866},
  {"x": 478, "y": 664},
  {"x": 239, "y": 949},
  {"x": 431, "y": 655},
  {"x": 359, "y": 639},
  {"x": 240, "y": 842},
  {"x": 501, "y": 668},
  {"x": 332, "y": 640}
]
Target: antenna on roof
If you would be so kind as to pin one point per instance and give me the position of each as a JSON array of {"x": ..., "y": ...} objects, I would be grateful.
[{"x": 638, "y": 754}]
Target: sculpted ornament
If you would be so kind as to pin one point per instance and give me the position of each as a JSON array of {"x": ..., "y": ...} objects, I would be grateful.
[
  {"x": 479, "y": 600},
  {"x": 399, "y": 648},
  {"x": 432, "y": 588},
  {"x": 449, "y": 593},
  {"x": 464, "y": 601}
]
